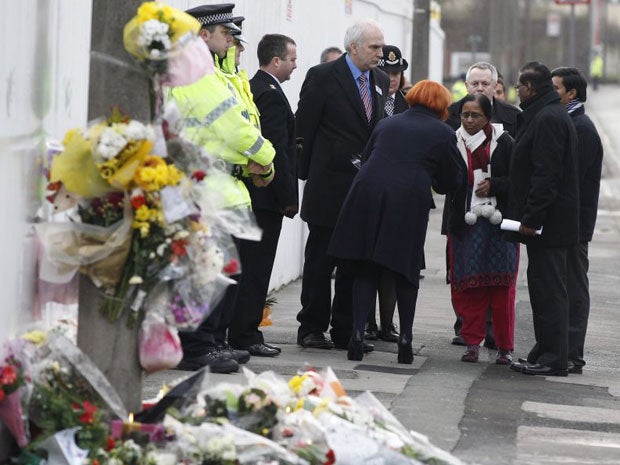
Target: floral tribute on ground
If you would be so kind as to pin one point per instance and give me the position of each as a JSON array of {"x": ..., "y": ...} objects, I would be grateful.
[{"x": 75, "y": 417}]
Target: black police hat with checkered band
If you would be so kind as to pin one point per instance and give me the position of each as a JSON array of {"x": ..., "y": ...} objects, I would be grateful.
[{"x": 209, "y": 15}]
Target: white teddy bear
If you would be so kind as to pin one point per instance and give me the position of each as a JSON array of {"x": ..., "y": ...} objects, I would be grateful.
[{"x": 482, "y": 206}]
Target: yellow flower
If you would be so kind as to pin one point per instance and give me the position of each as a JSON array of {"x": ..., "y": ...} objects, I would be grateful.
[
  {"x": 144, "y": 230},
  {"x": 300, "y": 404},
  {"x": 143, "y": 213},
  {"x": 36, "y": 337},
  {"x": 155, "y": 10},
  {"x": 296, "y": 382}
]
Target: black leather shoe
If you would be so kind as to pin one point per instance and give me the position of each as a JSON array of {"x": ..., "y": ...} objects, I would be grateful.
[
  {"x": 239, "y": 355},
  {"x": 458, "y": 341},
  {"x": 371, "y": 334},
  {"x": 543, "y": 370},
  {"x": 518, "y": 366},
  {"x": 261, "y": 350},
  {"x": 368, "y": 347},
  {"x": 389, "y": 334},
  {"x": 273, "y": 346},
  {"x": 575, "y": 369},
  {"x": 316, "y": 341},
  {"x": 215, "y": 360}
]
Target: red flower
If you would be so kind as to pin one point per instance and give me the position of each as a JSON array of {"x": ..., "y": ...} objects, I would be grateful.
[
  {"x": 138, "y": 201},
  {"x": 111, "y": 444},
  {"x": 9, "y": 375},
  {"x": 89, "y": 410},
  {"x": 331, "y": 457},
  {"x": 178, "y": 247},
  {"x": 198, "y": 175},
  {"x": 232, "y": 267}
]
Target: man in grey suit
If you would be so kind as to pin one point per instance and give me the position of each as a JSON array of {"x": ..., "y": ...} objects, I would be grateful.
[{"x": 339, "y": 105}]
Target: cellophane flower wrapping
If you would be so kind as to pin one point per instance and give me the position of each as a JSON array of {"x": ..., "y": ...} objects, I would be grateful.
[
  {"x": 159, "y": 346},
  {"x": 70, "y": 391}
]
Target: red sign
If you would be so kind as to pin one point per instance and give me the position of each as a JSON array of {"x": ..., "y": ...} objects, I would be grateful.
[{"x": 572, "y": 2}]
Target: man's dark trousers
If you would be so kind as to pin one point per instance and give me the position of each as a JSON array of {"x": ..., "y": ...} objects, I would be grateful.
[
  {"x": 316, "y": 299},
  {"x": 579, "y": 301},
  {"x": 547, "y": 279},
  {"x": 257, "y": 259}
]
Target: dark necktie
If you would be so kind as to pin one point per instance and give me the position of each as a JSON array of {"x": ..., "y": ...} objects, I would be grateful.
[
  {"x": 389, "y": 106},
  {"x": 366, "y": 100}
]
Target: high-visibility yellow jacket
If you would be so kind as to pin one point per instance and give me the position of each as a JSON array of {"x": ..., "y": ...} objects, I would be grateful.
[
  {"x": 215, "y": 119},
  {"x": 240, "y": 81},
  {"x": 596, "y": 66}
]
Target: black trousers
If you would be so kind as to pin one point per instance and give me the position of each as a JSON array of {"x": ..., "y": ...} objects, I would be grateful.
[
  {"x": 211, "y": 333},
  {"x": 547, "y": 278},
  {"x": 578, "y": 301},
  {"x": 316, "y": 302},
  {"x": 257, "y": 259}
]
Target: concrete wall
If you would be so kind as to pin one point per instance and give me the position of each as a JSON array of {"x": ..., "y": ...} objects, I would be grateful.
[{"x": 44, "y": 91}]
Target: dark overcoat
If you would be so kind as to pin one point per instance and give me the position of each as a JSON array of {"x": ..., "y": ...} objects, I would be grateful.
[
  {"x": 400, "y": 103},
  {"x": 590, "y": 156},
  {"x": 385, "y": 214},
  {"x": 277, "y": 125},
  {"x": 543, "y": 173},
  {"x": 331, "y": 120}
]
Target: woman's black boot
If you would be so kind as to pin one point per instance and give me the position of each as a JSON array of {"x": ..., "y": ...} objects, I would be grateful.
[
  {"x": 356, "y": 347},
  {"x": 405, "y": 351}
]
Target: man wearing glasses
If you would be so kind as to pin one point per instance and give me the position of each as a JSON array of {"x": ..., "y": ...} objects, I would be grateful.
[
  {"x": 481, "y": 78},
  {"x": 544, "y": 192}
]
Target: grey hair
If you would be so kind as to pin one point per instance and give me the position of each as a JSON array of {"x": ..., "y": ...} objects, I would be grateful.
[
  {"x": 483, "y": 65},
  {"x": 355, "y": 32}
]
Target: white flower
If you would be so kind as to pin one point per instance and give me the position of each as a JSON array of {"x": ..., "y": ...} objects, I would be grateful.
[
  {"x": 135, "y": 280},
  {"x": 162, "y": 458},
  {"x": 154, "y": 35},
  {"x": 110, "y": 143},
  {"x": 135, "y": 130}
]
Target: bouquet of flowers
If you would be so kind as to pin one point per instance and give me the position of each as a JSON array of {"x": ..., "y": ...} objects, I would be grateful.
[
  {"x": 137, "y": 221},
  {"x": 13, "y": 393}
]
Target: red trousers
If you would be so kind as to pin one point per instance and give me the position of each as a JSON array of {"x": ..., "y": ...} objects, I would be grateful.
[{"x": 472, "y": 304}]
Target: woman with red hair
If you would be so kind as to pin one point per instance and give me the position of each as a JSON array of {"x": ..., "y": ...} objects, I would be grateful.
[{"x": 383, "y": 221}]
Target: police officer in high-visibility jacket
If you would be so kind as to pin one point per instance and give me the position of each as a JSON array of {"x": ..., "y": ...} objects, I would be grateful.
[
  {"x": 216, "y": 116},
  {"x": 217, "y": 119}
]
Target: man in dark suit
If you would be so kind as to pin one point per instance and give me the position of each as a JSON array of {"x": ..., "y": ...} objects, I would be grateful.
[
  {"x": 481, "y": 78},
  {"x": 277, "y": 56},
  {"x": 544, "y": 193},
  {"x": 571, "y": 85},
  {"x": 339, "y": 104}
]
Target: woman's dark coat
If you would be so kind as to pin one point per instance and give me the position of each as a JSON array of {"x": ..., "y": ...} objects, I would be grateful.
[
  {"x": 385, "y": 213},
  {"x": 500, "y": 186}
]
